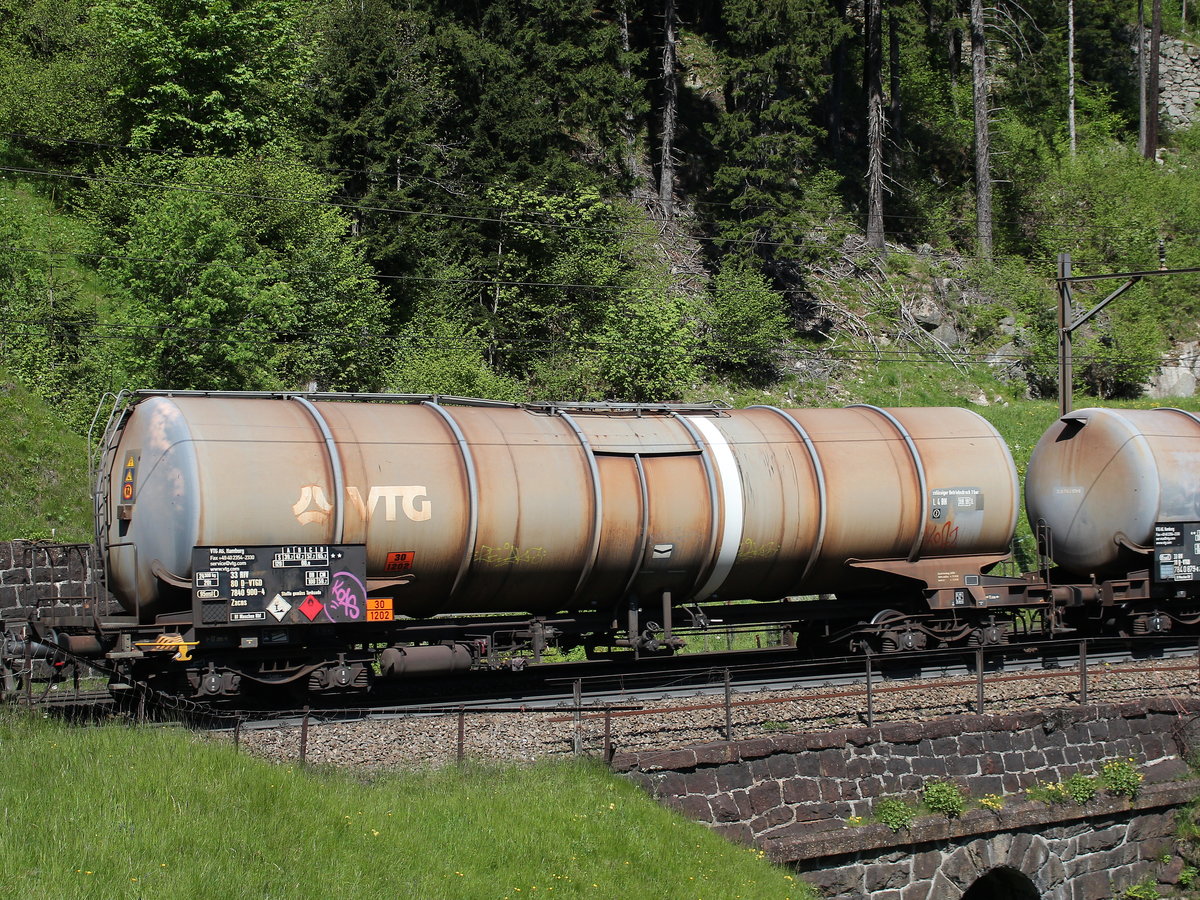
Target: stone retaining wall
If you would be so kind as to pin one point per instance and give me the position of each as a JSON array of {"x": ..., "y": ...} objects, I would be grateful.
[
  {"x": 792, "y": 795},
  {"x": 36, "y": 573},
  {"x": 764, "y": 787}
]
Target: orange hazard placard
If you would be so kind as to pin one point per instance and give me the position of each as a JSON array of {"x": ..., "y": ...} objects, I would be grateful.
[
  {"x": 379, "y": 609},
  {"x": 400, "y": 562}
]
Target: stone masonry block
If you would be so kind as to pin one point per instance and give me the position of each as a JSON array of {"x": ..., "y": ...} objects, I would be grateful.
[
  {"x": 730, "y": 777},
  {"x": 782, "y": 765},
  {"x": 765, "y": 797},
  {"x": 702, "y": 781}
]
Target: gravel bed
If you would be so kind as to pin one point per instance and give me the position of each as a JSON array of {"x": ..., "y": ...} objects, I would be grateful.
[{"x": 421, "y": 741}]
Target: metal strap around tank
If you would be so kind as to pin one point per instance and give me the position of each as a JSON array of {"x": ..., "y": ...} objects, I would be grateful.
[
  {"x": 335, "y": 461},
  {"x": 710, "y": 473},
  {"x": 472, "y": 492},
  {"x": 1182, "y": 412},
  {"x": 644, "y": 532},
  {"x": 733, "y": 505},
  {"x": 822, "y": 496},
  {"x": 920, "y": 469},
  {"x": 597, "y": 504}
]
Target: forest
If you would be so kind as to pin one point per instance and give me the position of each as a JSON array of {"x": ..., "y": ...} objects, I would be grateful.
[{"x": 615, "y": 199}]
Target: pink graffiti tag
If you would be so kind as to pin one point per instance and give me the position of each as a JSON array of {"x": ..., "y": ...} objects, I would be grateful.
[
  {"x": 346, "y": 594},
  {"x": 944, "y": 537}
]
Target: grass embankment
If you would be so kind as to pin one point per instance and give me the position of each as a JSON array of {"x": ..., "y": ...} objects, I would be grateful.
[
  {"x": 44, "y": 491},
  {"x": 115, "y": 812}
]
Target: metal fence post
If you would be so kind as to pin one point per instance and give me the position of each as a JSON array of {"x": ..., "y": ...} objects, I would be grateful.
[
  {"x": 728, "y": 707},
  {"x": 870, "y": 692},
  {"x": 608, "y": 748},
  {"x": 1083, "y": 679},
  {"x": 462, "y": 734},
  {"x": 979, "y": 680},
  {"x": 304, "y": 738},
  {"x": 577, "y": 739}
]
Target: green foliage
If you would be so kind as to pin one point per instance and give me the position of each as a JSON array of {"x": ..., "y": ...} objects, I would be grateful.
[
  {"x": 894, "y": 813},
  {"x": 1080, "y": 788},
  {"x": 746, "y": 322},
  {"x": 44, "y": 492},
  {"x": 1146, "y": 889},
  {"x": 1121, "y": 778},
  {"x": 54, "y": 73},
  {"x": 944, "y": 798},
  {"x": 221, "y": 293},
  {"x": 203, "y": 75},
  {"x": 647, "y": 348},
  {"x": 1188, "y": 876},
  {"x": 437, "y": 354},
  {"x": 1050, "y": 792}
]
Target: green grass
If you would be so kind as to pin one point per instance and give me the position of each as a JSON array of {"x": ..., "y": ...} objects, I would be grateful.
[
  {"x": 118, "y": 812},
  {"x": 44, "y": 491}
]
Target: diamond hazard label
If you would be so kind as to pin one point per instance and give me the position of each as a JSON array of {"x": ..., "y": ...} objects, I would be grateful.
[
  {"x": 279, "y": 608},
  {"x": 311, "y": 607}
]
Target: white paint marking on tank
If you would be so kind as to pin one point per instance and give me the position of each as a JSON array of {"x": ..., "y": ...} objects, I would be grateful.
[
  {"x": 731, "y": 502},
  {"x": 414, "y": 503},
  {"x": 313, "y": 507}
]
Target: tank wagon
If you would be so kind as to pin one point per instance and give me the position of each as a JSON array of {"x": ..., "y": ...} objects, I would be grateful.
[
  {"x": 1115, "y": 497},
  {"x": 323, "y": 541}
]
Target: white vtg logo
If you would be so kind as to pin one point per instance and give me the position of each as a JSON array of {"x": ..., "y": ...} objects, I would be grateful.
[{"x": 314, "y": 507}]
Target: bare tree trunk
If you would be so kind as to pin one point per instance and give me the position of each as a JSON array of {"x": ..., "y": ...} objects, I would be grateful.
[
  {"x": 837, "y": 87},
  {"x": 873, "y": 77},
  {"x": 954, "y": 54},
  {"x": 629, "y": 126},
  {"x": 1141, "y": 59},
  {"x": 1071, "y": 72},
  {"x": 1152, "y": 80},
  {"x": 894, "y": 87},
  {"x": 983, "y": 174},
  {"x": 666, "y": 176}
]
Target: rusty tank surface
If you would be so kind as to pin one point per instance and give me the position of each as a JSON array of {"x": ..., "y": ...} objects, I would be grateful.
[
  {"x": 1101, "y": 479},
  {"x": 473, "y": 506}
]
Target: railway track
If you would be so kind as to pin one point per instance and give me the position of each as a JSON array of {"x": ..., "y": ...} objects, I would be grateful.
[{"x": 569, "y": 690}]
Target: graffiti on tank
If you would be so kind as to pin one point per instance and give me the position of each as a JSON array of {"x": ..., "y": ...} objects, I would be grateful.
[
  {"x": 509, "y": 555},
  {"x": 347, "y": 596},
  {"x": 941, "y": 537}
]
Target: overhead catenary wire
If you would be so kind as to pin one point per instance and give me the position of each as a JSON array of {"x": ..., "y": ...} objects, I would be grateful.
[
  {"x": 499, "y": 219},
  {"x": 466, "y": 186}
]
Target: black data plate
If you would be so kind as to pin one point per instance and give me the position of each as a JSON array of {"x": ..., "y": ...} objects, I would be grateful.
[
  {"x": 1176, "y": 552},
  {"x": 280, "y": 585}
]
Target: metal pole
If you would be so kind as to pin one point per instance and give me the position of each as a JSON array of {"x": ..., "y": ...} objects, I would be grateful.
[
  {"x": 577, "y": 740},
  {"x": 462, "y": 734},
  {"x": 1083, "y": 679},
  {"x": 728, "y": 707},
  {"x": 979, "y": 680},
  {"x": 304, "y": 738},
  {"x": 1065, "y": 315},
  {"x": 870, "y": 692},
  {"x": 237, "y": 733},
  {"x": 608, "y": 748},
  {"x": 28, "y": 669}
]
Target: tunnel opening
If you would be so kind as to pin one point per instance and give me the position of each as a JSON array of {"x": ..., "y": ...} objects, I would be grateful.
[{"x": 1002, "y": 884}]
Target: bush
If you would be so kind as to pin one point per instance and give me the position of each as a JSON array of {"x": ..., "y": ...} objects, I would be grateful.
[
  {"x": 1121, "y": 778},
  {"x": 895, "y": 814},
  {"x": 945, "y": 798}
]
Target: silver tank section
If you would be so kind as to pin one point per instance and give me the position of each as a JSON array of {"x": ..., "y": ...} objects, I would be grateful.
[
  {"x": 490, "y": 508},
  {"x": 1101, "y": 479}
]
